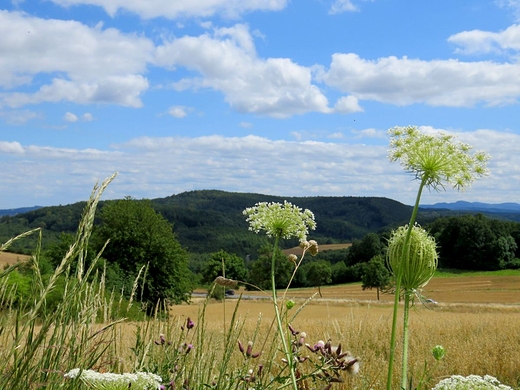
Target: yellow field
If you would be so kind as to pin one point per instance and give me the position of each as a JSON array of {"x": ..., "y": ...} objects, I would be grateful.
[
  {"x": 7, "y": 258},
  {"x": 477, "y": 320},
  {"x": 325, "y": 247}
]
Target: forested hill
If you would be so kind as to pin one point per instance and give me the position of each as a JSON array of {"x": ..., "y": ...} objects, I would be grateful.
[
  {"x": 207, "y": 221},
  {"x": 210, "y": 220}
]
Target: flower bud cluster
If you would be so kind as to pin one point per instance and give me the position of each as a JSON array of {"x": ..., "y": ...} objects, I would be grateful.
[
  {"x": 335, "y": 358},
  {"x": 248, "y": 351},
  {"x": 311, "y": 246}
]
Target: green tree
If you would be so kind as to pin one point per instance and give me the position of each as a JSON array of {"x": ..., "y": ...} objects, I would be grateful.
[
  {"x": 319, "y": 273},
  {"x": 363, "y": 250},
  {"x": 140, "y": 237},
  {"x": 260, "y": 273},
  {"x": 232, "y": 265},
  {"x": 376, "y": 275},
  {"x": 475, "y": 242}
]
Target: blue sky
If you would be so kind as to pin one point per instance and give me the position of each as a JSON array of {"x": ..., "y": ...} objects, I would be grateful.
[{"x": 281, "y": 97}]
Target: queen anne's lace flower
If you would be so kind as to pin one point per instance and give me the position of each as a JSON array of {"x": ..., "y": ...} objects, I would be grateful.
[
  {"x": 436, "y": 159},
  {"x": 111, "y": 381},
  {"x": 280, "y": 220},
  {"x": 471, "y": 382}
]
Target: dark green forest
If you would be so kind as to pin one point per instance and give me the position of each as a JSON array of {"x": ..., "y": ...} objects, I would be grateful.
[
  {"x": 184, "y": 240},
  {"x": 209, "y": 220}
]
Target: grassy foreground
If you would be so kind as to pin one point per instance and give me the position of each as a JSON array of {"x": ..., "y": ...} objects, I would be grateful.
[{"x": 233, "y": 344}]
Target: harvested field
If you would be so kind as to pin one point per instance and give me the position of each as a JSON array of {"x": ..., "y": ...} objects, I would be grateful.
[
  {"x": 326, "y": 247},
  {"x": 474, "y": 314},
  {"x": 7, "y": 258}
]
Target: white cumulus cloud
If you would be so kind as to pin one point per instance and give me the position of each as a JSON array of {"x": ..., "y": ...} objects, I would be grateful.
[
  {"x": 70, "y": 117},
  {"x": 404, "y": 81},
  {"x": 339, "y": 6},
  {"x": 178, "y": 111},
  {"x": 227, "y": 62},
  {"x": 478, "y": 41},
  {"x": 94, "y": 65},
  {"x": 153, "y": 167}
]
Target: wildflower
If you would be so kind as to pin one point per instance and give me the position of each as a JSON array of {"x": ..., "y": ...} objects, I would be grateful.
[
  {"x": 422, "y": 259},
  {"x": 189, "y": 323},
  {"x": 438, "y": 352},
  {"x": 474, "y": 382},
  {"x": 313, "y": 248},
  {"x": 108, "y": 380},
  {"x": 248, "y": 352},
  {"x": 294, "y": 332},
  {"x": 436, "y": 159},
  {"x": 335, "y": 357},
  {"x": 283, "y": 221},
  {"x": 289, "y": 304},
  {"x": 161, "y": 340}
]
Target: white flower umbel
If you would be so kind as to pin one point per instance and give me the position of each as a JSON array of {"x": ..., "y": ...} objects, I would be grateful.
[
  {"x": 436, "y": 159},
  {"x": 471, "y": 382},
  {"x": 280, "y": 220},
  {"x": 110, "y": 381}
]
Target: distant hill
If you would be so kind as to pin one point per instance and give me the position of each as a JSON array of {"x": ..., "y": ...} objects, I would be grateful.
[
  {"x": 209, "y": 220},
  {"x": 18, "y": 210},
  {"x": 476, "y": 206}
]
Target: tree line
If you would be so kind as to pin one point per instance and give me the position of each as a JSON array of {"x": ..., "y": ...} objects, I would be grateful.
[{"x": 142, "y": 255}]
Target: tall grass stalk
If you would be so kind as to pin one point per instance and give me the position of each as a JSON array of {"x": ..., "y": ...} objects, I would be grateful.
[{"x": 42, "y": 344}]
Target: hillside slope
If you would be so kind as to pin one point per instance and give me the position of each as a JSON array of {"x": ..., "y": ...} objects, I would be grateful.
[{"x": 210, "y": 220}]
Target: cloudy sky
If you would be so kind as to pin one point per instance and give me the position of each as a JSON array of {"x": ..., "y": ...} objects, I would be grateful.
[{"x": 282, "y": 97}]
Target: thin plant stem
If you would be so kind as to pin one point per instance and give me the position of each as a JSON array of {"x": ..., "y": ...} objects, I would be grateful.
[
  {"x": 406, "y": 330},
  {"x": 278, "y": 317},
  {"x": 404, "y": 257}
]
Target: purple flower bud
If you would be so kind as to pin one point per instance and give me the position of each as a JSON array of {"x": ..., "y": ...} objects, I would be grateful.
[
  {"x": 293, "y": 331},
  {"x": 240, "y": 346},
  {"x": 249, "y": 350},
  {"x": 189, "y": 323}
]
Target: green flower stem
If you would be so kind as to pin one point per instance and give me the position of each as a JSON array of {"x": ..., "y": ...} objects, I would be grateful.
[
  {"x": 281, "y": 331},
  {"x": 406, "y": 328},
  {"x": 404, "y": 257}
]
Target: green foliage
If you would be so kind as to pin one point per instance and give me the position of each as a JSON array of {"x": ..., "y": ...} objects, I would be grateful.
[
  {"x": 19, "y": 288},
  {"x": 260, "y": 273},
  {"x": 319, "y": 273},
  {"x": 375, "y": 275},
  {"x": 365, "y": 249},
  {"x": 475, "y": 242},
  {"x": 224, "y": 264},
  {"x": 140, "y": 238}
]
